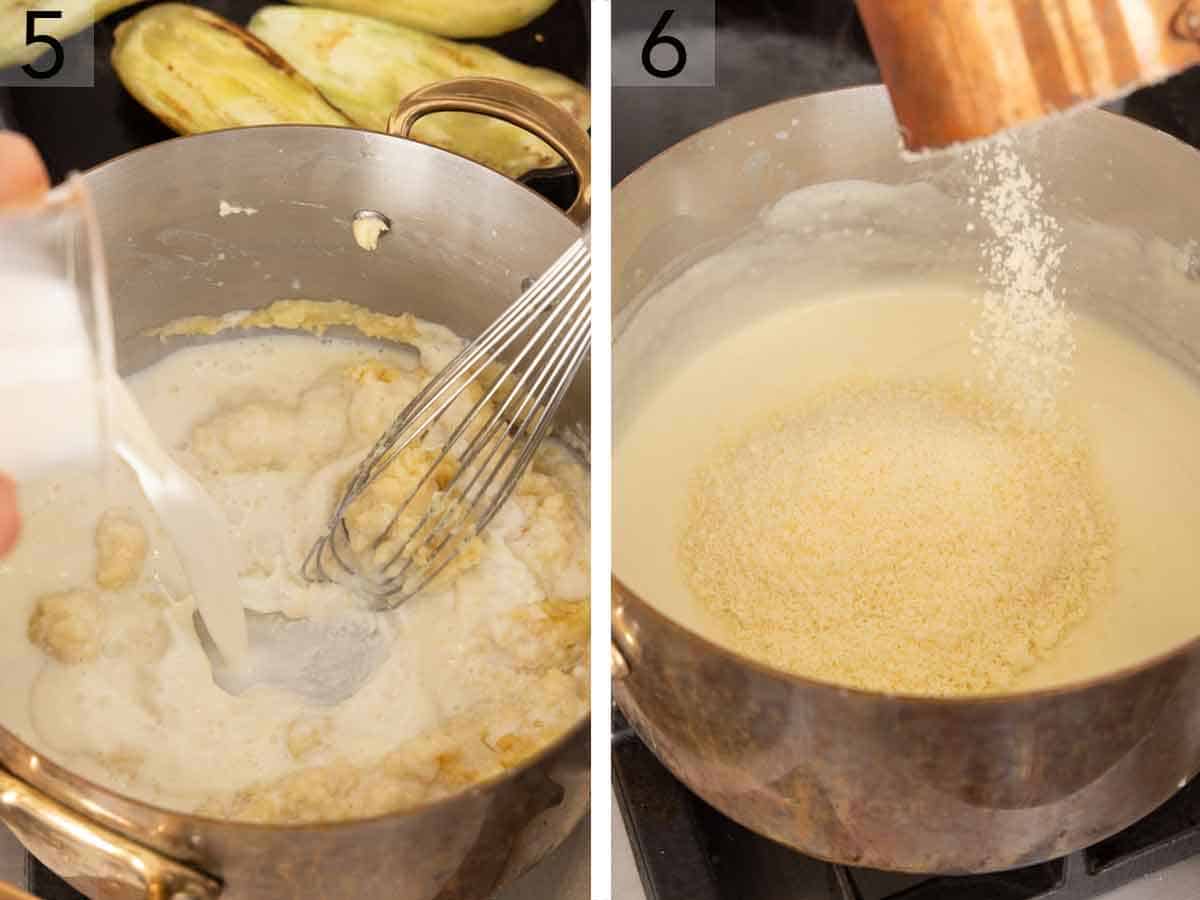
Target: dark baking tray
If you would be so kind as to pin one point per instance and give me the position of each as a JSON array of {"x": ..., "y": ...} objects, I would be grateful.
[{"x": 76, "y": 127}]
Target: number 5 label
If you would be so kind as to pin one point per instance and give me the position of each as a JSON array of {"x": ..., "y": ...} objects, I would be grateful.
[
  {"x": 661, "y": 45},
  {"x": 50, "y": 51},
  {"x": 32, "y": 38}
]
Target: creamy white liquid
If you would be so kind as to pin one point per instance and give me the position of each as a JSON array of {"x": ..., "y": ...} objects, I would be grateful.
[
  {"x": 1141, "y": 414},
  {"x": 56, "y": 397},
  {"x": 48, "y": 386},
  {"x": 160, "y": 729}
]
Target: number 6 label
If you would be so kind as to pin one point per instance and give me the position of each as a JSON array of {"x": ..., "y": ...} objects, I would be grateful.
[
  {"x": 658, "y": 39},
  {"x": 48, "y": 50},
  {"x": 664, "y": 46}
]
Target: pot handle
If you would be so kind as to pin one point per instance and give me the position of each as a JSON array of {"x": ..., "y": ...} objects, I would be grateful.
[
  {"x": 515, "y": 104},
  {"x": 93, "y": 852}
]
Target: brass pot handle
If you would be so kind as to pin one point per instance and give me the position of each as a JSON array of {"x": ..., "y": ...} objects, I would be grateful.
[
  {"x": 8, "y": 892},
  {"x": 624, "y": 645},
  {"x": 512, "y": 103},
  {"x": 94, "y": 852}
]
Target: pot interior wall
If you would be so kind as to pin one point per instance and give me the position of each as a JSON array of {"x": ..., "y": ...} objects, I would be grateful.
[
  {"x": 1114, "y": 185},
  {"x": 463, "y": 238}
]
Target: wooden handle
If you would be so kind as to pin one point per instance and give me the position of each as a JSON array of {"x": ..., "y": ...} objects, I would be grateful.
[{"x": 957, "y": 71}]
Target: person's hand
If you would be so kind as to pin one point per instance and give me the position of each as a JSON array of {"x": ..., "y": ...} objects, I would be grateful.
[
  {"x": 23, "y": 180},
  {"x": 10, "y": 519},
  {"x": 23, "y": 177}
]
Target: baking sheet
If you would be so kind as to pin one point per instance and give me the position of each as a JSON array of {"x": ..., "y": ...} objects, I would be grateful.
[{"x": 75, "y": 128}]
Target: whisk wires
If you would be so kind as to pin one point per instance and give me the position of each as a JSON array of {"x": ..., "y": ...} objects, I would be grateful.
[{"x": 522, "y": 364}]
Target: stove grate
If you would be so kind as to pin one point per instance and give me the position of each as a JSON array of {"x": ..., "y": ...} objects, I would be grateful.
[{"x": 45, "y": 885}]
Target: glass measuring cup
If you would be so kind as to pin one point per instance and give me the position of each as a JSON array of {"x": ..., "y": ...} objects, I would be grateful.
[
  {"x": 56, "y": 338},
  {"x": 63, "y": 404}
]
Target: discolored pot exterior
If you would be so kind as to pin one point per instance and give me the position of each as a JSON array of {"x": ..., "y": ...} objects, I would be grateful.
[
  {"x": 901, "y": 783},
  {"x": 920, "y": 785},
  {"x": 464, "y": 847}
]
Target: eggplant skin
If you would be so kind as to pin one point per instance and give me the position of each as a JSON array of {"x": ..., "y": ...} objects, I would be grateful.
[
  {"x": 366, "y": 67},
  {"x": 76, "y": 16},
  {"x": 448, "y": 18},
  {"x": 197, "y": 71}
]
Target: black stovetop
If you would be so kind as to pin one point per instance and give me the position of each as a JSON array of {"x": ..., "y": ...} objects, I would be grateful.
[
  {"x": 45, "y": 885},
  {"x": 768, "y": 50}
]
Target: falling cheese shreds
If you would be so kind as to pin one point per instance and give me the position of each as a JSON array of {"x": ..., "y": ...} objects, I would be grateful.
[
  {"x": 917, "y": 537},
  {"x": 1024, "y": 334}
]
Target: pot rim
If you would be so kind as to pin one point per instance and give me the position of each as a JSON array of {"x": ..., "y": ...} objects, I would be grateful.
[
  {"x": 1107, "y": 679},
  {"x": 58, "y": 772},
  {"x": 877, "y": 89},
  {"x": 1050, "y": 692}
]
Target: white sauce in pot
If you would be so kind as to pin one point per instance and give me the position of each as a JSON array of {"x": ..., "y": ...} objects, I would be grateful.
[
  {"x": 1140, "y": 415},
  {"x": 103, "y": 671}
]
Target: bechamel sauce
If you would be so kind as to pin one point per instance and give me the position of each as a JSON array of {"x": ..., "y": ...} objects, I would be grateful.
[{"x": 187, "y": 738}]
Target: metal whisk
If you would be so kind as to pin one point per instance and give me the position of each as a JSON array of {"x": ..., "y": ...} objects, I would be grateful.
[{"x": 524, "y": 363}]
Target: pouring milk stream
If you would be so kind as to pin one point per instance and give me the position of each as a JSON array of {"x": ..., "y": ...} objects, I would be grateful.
[{"x": 65, "y": 403}]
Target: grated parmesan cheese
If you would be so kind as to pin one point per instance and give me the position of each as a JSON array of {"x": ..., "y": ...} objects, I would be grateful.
[
  {"x": 916, "y": 537},
  {"x": 1024, "y": 333}
]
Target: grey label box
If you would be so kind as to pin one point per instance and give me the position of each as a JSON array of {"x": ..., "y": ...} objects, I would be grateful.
[
  {"x": 59, "y": 61},
  {"x": 664, "y": 43}
]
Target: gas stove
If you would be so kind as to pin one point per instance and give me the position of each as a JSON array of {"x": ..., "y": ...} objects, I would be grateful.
[{"x": 670, "y": 845}]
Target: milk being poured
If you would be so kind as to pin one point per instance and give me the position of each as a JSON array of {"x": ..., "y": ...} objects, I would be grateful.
[
  {"x": 193, "y": 522},
  {"x": 55, "y": 391},
  {"x": 46, "y": 379}
]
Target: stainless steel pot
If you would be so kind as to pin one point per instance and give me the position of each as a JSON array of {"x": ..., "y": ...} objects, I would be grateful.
[
  {"x": 869, "y": 779},
  {"x": 463, "y": 238}
]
